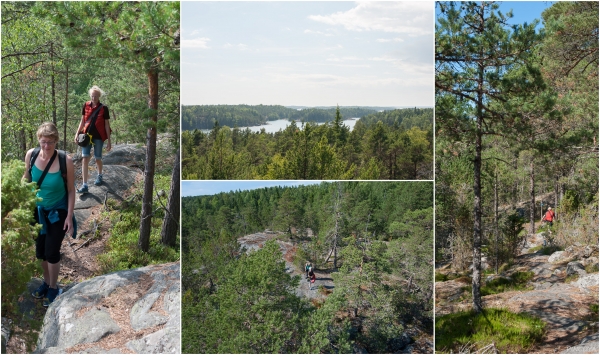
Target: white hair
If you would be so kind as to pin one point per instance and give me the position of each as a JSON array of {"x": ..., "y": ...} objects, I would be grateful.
[{"x": 95, "y": 88}]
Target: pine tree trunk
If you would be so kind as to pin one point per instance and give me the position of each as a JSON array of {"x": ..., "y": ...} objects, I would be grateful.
[
  {"x": 555, "y": 195},
  {"x": 170, "y": 225},
  {"x": 476, "y": 278},
  {"x": 496, "y": 216},
  {"x": 145, "y": 224},
  {"x": 66, "y": 105},
  {"x": 52, "y": 84},
  {"x": 532, "y": 197}
]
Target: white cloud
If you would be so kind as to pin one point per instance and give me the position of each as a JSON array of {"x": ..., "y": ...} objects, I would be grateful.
[
  {"x": 201, "y": 43},
  {"x": 311, "y": 32},
  {"x": 386, "y": 40},
  {"x": 242, "y": 46},
  {"x": 413, "y": 18},
  {"x": 341, "y": 59}
]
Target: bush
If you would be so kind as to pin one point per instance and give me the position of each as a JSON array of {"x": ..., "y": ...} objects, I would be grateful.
[{"x": 18, "y": 234}]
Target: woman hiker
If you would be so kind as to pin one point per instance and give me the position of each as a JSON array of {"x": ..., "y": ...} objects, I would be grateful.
[
  {"x": 313, "y": 278},
  {"x": 307, "y": 268},
  {"x": 100, "y": 132},
  {"x": 55, "y": 210}
]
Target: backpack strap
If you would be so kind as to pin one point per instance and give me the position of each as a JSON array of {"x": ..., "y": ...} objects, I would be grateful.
[
  {"x": 62, "y": 161},
  {"x": 93, "y": 117},
  {"x": 32, "y": 159}
]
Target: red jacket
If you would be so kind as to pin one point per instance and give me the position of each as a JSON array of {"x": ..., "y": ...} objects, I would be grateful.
[
  {"x": 549, "y": 216},
  {"x": 100, "y": 131}
]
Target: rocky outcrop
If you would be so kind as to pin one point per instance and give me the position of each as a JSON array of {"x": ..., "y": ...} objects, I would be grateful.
[
  {"x": 5, "y": 333},
  {"x": 134, "y": 310},
  {"x": 589, "y": 345},
  {"x": 121, "y": 169}
]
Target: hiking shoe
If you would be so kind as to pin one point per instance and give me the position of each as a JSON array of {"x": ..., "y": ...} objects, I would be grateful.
[
  {"x": 41, "y": 291},
  {"x": 98, "y": 180},
  {"x": 82, "y": 190},
  {"x": 51, "y": 296}
]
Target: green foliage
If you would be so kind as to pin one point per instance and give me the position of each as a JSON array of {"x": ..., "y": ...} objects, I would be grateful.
[
  {"x": 18, "y": 233},
  {"x": 517, "y": 281},
  {"x": 122, "y": 250},
  {"x": 54, "y": 52},
  {"x": 222, "y": 285},
  {"x": 253, "y": 310},
  {"x": 511, "y": 227},
  {"x": 510, "y": 332},
  {"x": 569, "y": 202},
  {"x": 309, "y": 151}
]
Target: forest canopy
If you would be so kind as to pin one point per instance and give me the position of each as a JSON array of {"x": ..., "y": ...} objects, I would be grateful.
[
  {"x": 388, "y": 145},
  {"x": 379, "y": 236}
]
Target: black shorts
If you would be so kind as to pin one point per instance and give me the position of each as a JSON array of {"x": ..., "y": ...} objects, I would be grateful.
[{"x": 47, "y": 246}]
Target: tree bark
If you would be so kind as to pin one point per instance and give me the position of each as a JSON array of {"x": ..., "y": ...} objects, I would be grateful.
[
  {"x": 476, "y": 278},
  {"x": 145, "y": 224},
  {"x": 170, "y": 225},
  {"x": 532, "y": 197},
  {"x": 52, "y": 84},
  {"x": 496, "y": 216},
  {"x": 66, "y": 105}
]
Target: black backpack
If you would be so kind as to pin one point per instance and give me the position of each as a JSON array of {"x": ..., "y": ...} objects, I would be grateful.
[{"x": 62, "y": 161}]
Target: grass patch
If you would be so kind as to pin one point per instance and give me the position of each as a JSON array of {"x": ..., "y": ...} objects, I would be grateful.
[
  {"x": 122, "y": 252},
  {"x": 591, "y": 268},
  {"x": 534, "y": 249},
  {"x": 571, "y": 278},
  {"x": 517, "y": 281},
  {"x": 440, "y": 277},
  {"x": 511, "y": 332},
  {"x": 545, "y": 250}
]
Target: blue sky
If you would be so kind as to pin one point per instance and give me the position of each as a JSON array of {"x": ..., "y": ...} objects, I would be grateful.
[
  {"x": 307, "y": 53},
  {"x": 523, "y": 11},
  {"x": 211, "y": 187}
]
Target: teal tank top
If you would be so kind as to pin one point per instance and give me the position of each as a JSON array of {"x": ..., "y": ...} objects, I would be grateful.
[{"x": 52, "y": 190}]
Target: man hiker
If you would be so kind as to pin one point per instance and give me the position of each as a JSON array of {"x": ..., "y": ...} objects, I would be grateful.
[
  {"x": 549, "y": 217},
  {"x": 312, "y": 277}
]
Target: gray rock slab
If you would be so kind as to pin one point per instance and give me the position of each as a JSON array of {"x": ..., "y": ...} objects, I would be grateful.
[
  {"x": 164, "y": 341},
  {"x": 587, "y": 281},
  {"x": 125, "y": 154},
  {"x": 589, "y": 345},
  {"x": 5, "y": 333},
  {"x": 89, "y": 328},
  {"x": 77, "y": 316},
  {"x": 575, "y": 268},
  {"x": 141, "y": 315},
  {"x": 117, "y": 180},
  {"x": 556, "y": 257}
]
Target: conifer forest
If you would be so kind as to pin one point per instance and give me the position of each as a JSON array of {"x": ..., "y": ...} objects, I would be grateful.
[
  {"x": 388, "y": 145},
  {"x": 516, "y": 141},
  {"x": 370, "y": 245}
]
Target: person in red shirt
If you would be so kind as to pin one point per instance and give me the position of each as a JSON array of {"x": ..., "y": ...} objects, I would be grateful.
[
  {"x": 100, "y": 133},
  {"x": 549, "y": 217}
]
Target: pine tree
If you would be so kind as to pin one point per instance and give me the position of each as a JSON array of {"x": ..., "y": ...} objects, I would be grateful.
[{"x": 475, "y": 47}]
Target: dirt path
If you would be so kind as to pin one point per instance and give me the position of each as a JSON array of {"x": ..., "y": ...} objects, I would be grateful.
[
  {"x": 288, "y": 249},
  {"x": 563, "y": 306}
]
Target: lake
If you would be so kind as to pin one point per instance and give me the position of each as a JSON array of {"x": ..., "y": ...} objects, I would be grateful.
[{"x": 277, "y": 125}]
